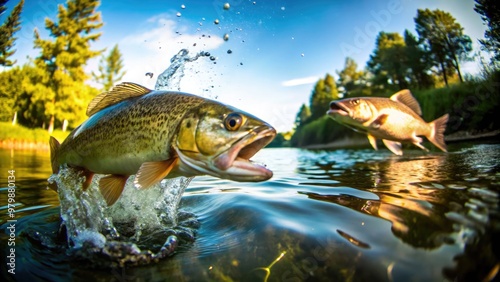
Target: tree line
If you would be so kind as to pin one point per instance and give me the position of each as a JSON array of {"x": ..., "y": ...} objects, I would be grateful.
[
  {"x": 50, "y": 90},
  {"x": 422, "y": 62}
]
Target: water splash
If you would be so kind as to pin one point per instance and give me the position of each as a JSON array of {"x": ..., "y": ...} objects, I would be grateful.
[
  {"x": 143, "y": 225},
  {"x": 171, "y": 78}
]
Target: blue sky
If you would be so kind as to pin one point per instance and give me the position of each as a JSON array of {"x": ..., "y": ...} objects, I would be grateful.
[{"x": 279, "y": 48}]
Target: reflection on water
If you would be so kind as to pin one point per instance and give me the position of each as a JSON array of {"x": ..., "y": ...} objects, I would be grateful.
[{"x": 324, "y": 216}]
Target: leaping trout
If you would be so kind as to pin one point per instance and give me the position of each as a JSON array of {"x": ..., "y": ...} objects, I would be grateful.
[
  {"x": 161, "y": 134},
  {"x": 394, "y": 120}
]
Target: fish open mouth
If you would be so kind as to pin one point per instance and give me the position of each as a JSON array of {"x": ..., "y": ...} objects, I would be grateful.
[
  {"x": 235, "y": 163},
  {"x": 337, "y": 108}
]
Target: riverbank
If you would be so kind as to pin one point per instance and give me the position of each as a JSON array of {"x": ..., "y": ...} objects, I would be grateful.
[
  {"x": 23, "y": 138},
  {"x": 363, "y": 141}
]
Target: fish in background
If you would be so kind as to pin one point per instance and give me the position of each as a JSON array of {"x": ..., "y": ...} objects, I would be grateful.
[
  {"x": 157, "y": 134},
  {"x": 394, "y": 120}
]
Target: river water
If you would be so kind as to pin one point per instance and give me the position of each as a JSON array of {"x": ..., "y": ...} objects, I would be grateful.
[{"x": 342, "y": 215}]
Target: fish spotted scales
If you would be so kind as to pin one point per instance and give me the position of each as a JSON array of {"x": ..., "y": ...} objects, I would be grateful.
[{"x": 155, "y": 134}]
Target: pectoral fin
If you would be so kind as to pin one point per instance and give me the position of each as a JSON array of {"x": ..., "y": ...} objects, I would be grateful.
[
  {"x": 378, "y": 122},
  {"x": 111, "y": 187},
  {"x": 151, "y": 173},
  {"x": 373, "y": 141},
  {"x": 393, "y": 146}
]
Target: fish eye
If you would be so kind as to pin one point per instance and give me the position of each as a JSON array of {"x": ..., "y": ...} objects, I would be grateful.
[
  {"x": 355, "y": 101},
  {"x": 233, "y": 121}
]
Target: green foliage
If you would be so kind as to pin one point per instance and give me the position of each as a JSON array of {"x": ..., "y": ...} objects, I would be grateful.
[
  {"x": 302, "y": 116},
  {"x": 62, "y": 60},
  {"x": 418, "y": 63},
  {"x": 324, "y": 92},
  {"x": 278, "y": 141},
  {"x": 472, "y": 105},
  {"x": 351, "y": 81},
  {"x": 22, "y": 92},
  {"x": 110, "y": 69},
  {"x": 9, "y": 132},
  {"x": 490, "y": 14},
  {"x": 388, "y": 61},
  {"x": 7, "y": 31},
  {"x": 444, "y": 39},
  {"x": 320, "y": 131},
  {"x": 10, "y": 85}
]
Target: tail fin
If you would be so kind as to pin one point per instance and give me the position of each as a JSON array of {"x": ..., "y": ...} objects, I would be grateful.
[
  {"x": 54, "y": 147},
  {"x": 438, "y": 127}
]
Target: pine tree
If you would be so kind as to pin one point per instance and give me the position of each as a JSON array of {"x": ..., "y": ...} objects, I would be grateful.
[
  {"x": 303, "y": 114},
  {"x": 7, "y": 31},
  {"x": 389, "y": 62},
  {"x": 350, "y": 78},
  {"x": 110, "y": 69},
  {"x": 63, "y": 59},
  {"x": 324, "y": 92}
]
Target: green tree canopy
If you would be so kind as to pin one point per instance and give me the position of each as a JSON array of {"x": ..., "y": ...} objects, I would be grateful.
[
  {"x": 64, "y": 56},
  {"x": 389, "y": 62},
  {"x": 418, "y": 63},
  {"x": 444, "y": 39},
  {"x": 490, "y": 14},
  {"x": 7, "y": 31},
  {"x": 110, "y": 69},
  {"x": 324, "y": 92},
  {"x": 350, "y": 78}
]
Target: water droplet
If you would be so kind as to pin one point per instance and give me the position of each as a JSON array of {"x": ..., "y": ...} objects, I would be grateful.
[
  {"x": 178, "y": 14},
  {"x": 302, "y": 55},
  {"x": 282, "y": 8},
  {"x": 183, "y": 6},
  {"x": 241, "y": 64},
  {"x": 150, "y": 74},
  {"x": 212, "y": 58},
  {"x": 216, "y": 21},
  {"x": 254, "y": 2},
  {"x": 207, "y": 54},
  {"x": 226, "y": 6},
  {"x": 226, "y": 37},
  {"x": 229, "y": 51},
  {"x": 293, "y": 38}
]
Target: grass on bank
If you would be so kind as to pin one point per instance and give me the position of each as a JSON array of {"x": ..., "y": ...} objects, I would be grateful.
[{"x": 18, "y": 133}]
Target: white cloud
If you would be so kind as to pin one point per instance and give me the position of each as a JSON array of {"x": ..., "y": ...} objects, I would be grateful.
[{"x": 300, "y": 81}]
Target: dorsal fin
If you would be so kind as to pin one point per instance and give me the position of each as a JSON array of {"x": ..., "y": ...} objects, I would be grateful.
[
  {"x": 404, "y": 96},
  {"x": 118, "y": 93}
]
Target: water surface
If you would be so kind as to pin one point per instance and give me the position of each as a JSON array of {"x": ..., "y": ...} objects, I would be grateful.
[{"x": 352, "y": 215}]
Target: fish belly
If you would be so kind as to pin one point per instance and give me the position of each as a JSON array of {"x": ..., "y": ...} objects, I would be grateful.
[{"x": 401, "y": 126}]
